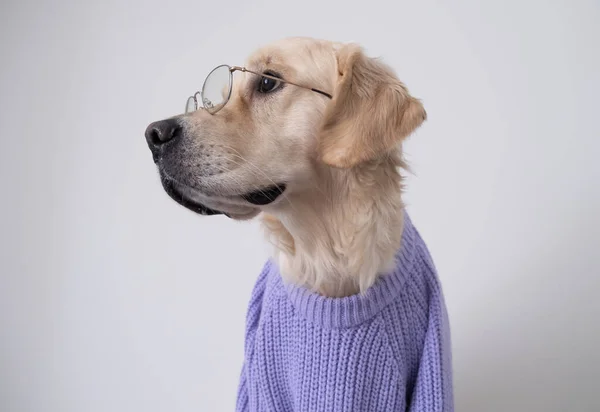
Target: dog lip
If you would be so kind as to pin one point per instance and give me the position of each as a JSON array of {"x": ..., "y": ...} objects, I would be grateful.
[
  {"x": 265, "y": 196},
  {"x": 175, "y": 194}
]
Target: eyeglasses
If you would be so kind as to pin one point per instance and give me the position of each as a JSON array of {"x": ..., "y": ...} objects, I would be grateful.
[{"x": 216, "y": 89}]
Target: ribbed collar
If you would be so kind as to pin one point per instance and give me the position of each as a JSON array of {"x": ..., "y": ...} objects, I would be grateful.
[{"x": 353, "y": 310}]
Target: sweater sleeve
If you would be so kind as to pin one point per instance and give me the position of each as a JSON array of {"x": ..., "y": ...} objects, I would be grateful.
[
  {"x": 252, "y": 319},
  {"x": 433, "y": 386},
  {"x": 242, "y": 403}
]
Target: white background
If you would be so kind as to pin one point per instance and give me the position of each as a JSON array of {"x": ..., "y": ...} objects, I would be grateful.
[{"x": 114, "y": 298}]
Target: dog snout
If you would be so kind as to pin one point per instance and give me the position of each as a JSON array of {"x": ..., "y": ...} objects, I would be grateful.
[{"x": 161, "y": 132}]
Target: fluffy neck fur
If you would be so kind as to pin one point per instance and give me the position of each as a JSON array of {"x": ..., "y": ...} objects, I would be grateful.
[{"x": 337, "y": 238}]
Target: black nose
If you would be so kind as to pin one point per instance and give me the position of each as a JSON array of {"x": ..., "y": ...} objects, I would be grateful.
[{"x": 159, "y": 133}]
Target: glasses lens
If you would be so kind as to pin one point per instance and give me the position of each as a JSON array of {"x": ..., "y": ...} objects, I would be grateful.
[
  {"x": 190, "y": 105},
  {"x": 216, "y": 89}
]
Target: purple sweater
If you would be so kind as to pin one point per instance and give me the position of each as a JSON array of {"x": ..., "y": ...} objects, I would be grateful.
[{"x": 387, "y": 350}]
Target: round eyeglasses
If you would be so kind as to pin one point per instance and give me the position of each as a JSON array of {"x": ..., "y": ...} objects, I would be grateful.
[{"x": 216, "y": 89}]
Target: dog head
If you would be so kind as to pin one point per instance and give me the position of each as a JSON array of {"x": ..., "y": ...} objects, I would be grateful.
[{"x": 332, "y": 107}]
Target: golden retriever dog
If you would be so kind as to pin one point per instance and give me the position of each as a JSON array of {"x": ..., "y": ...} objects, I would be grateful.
[
  {"x": 337, "y": 222},
  {"x": 308, "y": 134}
]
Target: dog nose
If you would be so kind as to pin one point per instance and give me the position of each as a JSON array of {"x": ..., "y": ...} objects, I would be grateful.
[{"x": 161, "y": 132}]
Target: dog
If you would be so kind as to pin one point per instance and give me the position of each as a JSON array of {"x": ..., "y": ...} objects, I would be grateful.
[{"x": 348, "y": 315}]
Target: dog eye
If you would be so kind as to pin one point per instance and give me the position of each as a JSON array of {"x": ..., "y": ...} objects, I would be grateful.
[{"x": 268, "y": 84}]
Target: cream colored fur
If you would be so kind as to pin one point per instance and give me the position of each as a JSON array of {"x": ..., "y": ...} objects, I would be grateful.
[
  {"x": 339, "y": 224},
  {"x": 338, "y": 238}
]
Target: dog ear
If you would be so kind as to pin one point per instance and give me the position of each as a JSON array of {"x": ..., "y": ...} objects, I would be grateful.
[{"x": 370, "y": 113}]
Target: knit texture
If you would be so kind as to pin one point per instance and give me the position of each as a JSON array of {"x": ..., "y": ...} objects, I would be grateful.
[{"x": 385, "y": 350}]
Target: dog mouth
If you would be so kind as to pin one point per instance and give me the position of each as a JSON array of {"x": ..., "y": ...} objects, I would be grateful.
[
  {"x": 184, "y": 200},
  {"x": 265, "y": 196},
  {"x": 177, "y": 192}
]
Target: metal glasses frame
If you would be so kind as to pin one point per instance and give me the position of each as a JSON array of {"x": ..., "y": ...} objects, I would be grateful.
[{"x": 214, "y": 109}]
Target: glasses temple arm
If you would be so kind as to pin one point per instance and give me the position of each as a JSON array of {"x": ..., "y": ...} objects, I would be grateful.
[{"x": 279, "y": 79}]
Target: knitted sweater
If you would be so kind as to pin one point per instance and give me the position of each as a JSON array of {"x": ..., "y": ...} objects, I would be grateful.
[{"x": 385, "y": 350}]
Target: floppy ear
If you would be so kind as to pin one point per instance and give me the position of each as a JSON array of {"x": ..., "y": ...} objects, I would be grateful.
[{"x": 370, "y": 113}]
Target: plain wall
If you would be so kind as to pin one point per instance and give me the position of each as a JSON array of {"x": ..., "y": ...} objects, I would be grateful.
[{"x": 114, "y": 298}]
